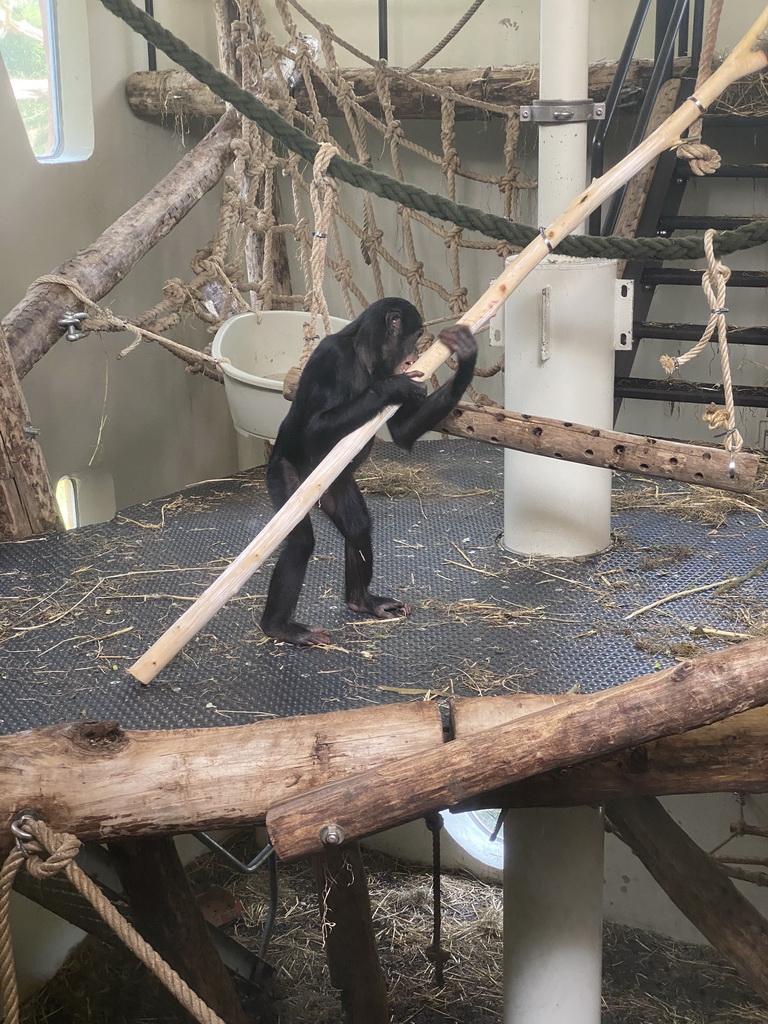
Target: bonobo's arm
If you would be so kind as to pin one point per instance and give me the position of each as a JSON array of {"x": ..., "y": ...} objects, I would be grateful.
[
  {"x": 326, "y": 426},
  {"x": 409, "y": 422}
]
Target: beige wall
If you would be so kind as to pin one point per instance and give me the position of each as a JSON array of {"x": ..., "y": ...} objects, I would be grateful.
[{"x": 164, "y": 427}]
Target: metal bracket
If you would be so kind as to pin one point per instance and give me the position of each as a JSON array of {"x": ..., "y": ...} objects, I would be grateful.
[
  {"x": 562, "y": 112},
  {"x": 623, "y": 315},
  {"x": 74, "y": 325}
]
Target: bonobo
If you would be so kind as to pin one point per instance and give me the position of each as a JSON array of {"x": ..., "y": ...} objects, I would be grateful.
[{"x": 349, "y": 378}]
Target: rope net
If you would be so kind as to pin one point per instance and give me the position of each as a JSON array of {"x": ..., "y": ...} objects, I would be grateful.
[{"x": 338, "y": 244}]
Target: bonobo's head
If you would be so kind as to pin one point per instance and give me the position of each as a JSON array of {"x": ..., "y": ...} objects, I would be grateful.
[{"x": 385, "y": 335}]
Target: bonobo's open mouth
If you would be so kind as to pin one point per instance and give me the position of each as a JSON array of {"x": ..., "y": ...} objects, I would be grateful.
[{"x": 407, "y": 363}]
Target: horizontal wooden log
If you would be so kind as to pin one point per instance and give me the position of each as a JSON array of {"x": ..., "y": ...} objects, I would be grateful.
[
  {"x": 590, "y": 446},
  {"x": 725, "y": 757},
  {"x": 101, "y": 782},
  {"x": 120, "y": 786},
  {"x": 625, "y": 453},
  {"x": 32, "y": 325},
  {"x": 688, "y": 695},
  {"x": 164, "y": 93},
  {"x": 697, "y": 885}
]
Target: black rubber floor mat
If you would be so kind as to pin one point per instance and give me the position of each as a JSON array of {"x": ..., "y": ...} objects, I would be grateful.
[{"x": 77, "y": 608}]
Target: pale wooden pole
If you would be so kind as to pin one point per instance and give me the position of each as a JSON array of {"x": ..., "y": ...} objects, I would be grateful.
[{"x": 749, "y": 56}]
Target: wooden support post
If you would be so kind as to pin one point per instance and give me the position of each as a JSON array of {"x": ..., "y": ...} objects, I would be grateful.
[
  {"x": 724, "y": 757},
  {"x": 32, "y": 325},
  {"x": 697, "y": 885},
  {"x": 166, "y": 914},
  {"x": 691, "y": 694},
  {"x": 350, "y": 943},
  {"x": 27, "y": 504}
]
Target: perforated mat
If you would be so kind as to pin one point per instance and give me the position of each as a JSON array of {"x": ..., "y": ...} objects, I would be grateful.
[{"x": 77, "y": 608}]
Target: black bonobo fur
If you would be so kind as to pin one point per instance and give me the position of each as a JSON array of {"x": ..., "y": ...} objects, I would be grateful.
[{"x": 349, "y": 378}]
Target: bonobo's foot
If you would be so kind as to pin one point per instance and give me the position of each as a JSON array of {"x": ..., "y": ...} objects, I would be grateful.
[
  {"x": 380, "y": 607},
  {"x": 296, "y": 633}
]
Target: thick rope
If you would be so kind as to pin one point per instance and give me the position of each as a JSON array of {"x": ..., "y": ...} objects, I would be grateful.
[
  {"x": 714, "y": 281},
  {"x": 45, "y": 855},
  {"x": 702, "y": 158},
  {"x": 382, "y": 185}
]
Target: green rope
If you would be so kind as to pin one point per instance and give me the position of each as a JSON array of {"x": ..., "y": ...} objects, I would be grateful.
[{"x": 685, "y": 247}]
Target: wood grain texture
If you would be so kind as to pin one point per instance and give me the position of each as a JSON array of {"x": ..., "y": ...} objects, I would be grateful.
[
  {"x": 679, "y": 698},
  {"x": 99, "y": 782}
]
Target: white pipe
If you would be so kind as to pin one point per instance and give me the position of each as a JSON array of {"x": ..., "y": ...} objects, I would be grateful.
[
  {"x": 553, "y": 874},
  {"x": 559, "y": 363},
  {"x": 552, "y": 508}
]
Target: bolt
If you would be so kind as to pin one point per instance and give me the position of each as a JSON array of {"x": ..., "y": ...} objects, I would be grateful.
[
  {"x": 332, "y": 835},
  {"x": 30, "y": 432}
]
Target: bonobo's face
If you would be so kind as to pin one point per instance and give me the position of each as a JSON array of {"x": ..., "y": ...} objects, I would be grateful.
[{"x": 403, "y": 328}]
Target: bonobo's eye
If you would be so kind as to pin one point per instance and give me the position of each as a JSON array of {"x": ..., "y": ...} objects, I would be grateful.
[{"x": 394, "y": 321}]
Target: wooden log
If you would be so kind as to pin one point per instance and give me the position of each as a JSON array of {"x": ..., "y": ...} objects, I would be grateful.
[
  {"x": 685, "y": 696},
  {"x": 165, "y": 912},
  {"x": 158, "y": 94},
  {"x": 697, "y": 885},
  {"x": 590, "y": 446},
  {"x": 725, "y": 757},
  {"x": 751, "y": 54},
  {"x": 27, "y": 503},
  {"x": 32, "y": 325},
  {"x": 101, "y": 782},
  {"x": 350, "y": 943}
]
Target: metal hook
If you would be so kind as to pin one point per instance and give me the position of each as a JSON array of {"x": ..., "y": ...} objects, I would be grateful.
[{"x": 74, "y": 325}]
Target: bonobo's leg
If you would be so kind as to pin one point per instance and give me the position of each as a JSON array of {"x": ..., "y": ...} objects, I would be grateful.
[
  {"x": 288, "y": 575},
  {"x": 344, "y": 505}
]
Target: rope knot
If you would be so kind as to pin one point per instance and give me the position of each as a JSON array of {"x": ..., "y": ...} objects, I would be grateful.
[
  {"x": 175, "y": 292},
  {"x": 415, "y": 274},
  {"x": 394, "y": 132},
  {"x": 451, "y": 162},
  {"x": 48, "y": 852},
  {"x": 702, "y": 158}
]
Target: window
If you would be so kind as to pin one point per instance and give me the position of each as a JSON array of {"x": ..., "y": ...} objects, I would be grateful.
[
  {"x": 66, "y": 499},
  {"x": 478, "y": 833},
  {"x": 42, "y": 45}
]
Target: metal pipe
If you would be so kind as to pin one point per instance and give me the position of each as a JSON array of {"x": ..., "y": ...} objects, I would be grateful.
[
  {"x": 149, "y": 7},
  {"x": 383, "y": 31}
]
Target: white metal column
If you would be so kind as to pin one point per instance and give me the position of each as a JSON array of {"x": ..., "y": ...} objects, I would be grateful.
[
  {"x": 553, "y": 870},
  {"x": 553, "y": 885}
]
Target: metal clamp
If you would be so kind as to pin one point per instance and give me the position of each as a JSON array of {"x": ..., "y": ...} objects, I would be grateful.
[
  {"x": 562, "y": 112},
  {"x": 73, "y": 322}
]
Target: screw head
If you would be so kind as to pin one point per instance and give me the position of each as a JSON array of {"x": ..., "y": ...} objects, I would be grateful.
[{"x": 332, "y": 835}]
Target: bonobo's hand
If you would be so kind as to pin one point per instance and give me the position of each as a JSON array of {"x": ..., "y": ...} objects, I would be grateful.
[
  {"x": 459, "y": 339},
  {"x": 401, "y": 388}
]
